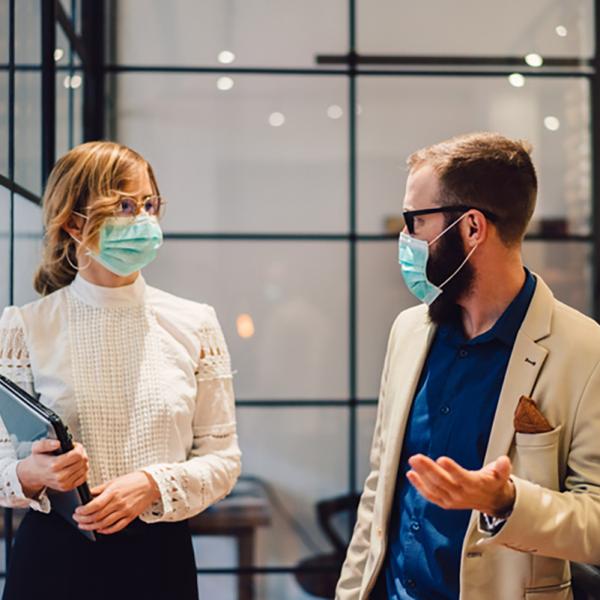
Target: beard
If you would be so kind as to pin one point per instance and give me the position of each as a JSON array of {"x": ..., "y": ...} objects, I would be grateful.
[{"x": 449, "y": 253}]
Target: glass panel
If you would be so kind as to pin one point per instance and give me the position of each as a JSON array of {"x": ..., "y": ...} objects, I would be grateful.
[
  {"x": 381, "y": 296},
  {"x": 4, "y": 25},
  {"x": 277, "y": 587},
  {"x": 366, "y": 427},
  {"x": 4, "y": 123},
  {"x": 4, "y": 248},
  {"x": 262, "y": 156},
  {"x": 28, "y": 22},
  {"x": 471, "y": 28},
  {"x": 28, "y": 245},
  {"x": 28, "y": 131},
  {"x": 300, "y": 456},
  {"x": 566, "y": 267},
  {"x": 69, "y": 110},
  {"x": 258, "y": 33},
  {"x": 400, "y": 115},
  {"x": 282, "y": 305}
]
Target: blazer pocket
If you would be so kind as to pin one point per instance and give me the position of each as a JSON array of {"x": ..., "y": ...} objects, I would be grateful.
[
  {"x": 562, "y": 591},
  {"x": 536, "y": 457}
]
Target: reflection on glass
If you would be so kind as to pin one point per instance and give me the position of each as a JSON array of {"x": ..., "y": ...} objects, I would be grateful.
[
  {"x": 462, "y": 28},
  {"x": 259, "y": 34},
  {"x": 4, "y": 247},
  {"x": 28, "y": 245},
  {"x": 216, "y": 156},
  {"x": 28, "y": 131},
  {"x": 404, "y": 114},
  {"x": 28, "y": 48},
  {"x": 301, "y": 456},
  {"x": 565, "y": 267},
  {"x": 4, "y": 123},
  {"x": 297, "y": 294}
]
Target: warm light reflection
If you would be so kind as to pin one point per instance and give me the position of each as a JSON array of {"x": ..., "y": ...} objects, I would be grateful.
[{"x": 245, "y": 326}]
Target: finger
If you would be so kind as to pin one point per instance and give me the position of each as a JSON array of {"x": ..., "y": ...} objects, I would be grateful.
[
  {"x": 95, "y": 505},
  {"x": 118, "y": 526},
  {"x": 434, "y": 474},
  {"x": 503, "y": 467},
  {"x": 44, "y": 446},
  {"x": 72, "y": 457},
  {"x": 104, "y": 523},
  {"x": 96, "y": 491},
  {"x": 422, "y": 487},
  {"x": 452, "y": 467}
]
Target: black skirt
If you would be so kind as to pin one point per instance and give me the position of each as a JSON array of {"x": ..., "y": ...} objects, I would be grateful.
[{"x": 51, "y": 559}]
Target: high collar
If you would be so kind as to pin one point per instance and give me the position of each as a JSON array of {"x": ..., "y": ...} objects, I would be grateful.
[{"x": 109, "y": 297}]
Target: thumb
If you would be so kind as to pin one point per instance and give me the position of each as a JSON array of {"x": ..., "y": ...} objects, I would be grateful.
[
  {"x": 96, "y": 491},
  {"x": 502, "y": 467},
  {"x": 45, "y": 446}
]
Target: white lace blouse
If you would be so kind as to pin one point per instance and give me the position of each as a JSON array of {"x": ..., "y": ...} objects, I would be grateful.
[{"x": 142, "y": 379}]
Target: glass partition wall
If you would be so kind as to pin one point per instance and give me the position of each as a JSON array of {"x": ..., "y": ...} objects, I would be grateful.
[{"x": 279, "y": 133}]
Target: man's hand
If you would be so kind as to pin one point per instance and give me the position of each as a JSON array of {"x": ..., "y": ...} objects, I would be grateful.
[
  {"x": 117, "y": 503},
  {"x": 447, "y": 484}
]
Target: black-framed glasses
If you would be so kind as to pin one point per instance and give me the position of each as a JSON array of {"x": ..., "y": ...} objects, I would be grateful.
[{"x": 409, "y": 215}]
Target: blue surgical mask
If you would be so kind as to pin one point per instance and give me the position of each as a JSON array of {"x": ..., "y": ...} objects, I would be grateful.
[
  {"x": 127, "y": 245},
  {"x": 413, "y": 255}
]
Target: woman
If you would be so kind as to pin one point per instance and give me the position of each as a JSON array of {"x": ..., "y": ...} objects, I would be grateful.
[{"x": 143, "y": 380}]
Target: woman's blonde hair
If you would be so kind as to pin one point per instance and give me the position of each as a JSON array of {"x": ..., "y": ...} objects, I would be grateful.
[{"x": 90, "y": 180}]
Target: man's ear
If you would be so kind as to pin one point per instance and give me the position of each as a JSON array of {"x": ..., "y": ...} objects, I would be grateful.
[{"x": 476, "y": 228}]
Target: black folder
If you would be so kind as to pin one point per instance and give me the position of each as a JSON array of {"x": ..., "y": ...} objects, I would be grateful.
[{"x": 28, "y": 420}]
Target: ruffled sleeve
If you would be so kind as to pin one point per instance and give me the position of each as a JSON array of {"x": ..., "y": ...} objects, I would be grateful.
[
  {"x": 214, "y": 462},
  {"x": 15, "y": 365}
]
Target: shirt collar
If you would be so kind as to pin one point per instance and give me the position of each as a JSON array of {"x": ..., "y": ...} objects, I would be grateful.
[
  {"x": 109, "y": 297},
  {"x": 506, "y": 327}
]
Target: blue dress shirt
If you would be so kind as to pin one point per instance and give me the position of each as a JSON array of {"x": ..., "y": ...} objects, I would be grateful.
[{"x": 451, "y": 415}]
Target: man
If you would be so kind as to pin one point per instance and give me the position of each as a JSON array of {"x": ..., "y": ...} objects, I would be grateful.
[{"x": 485, "y": 464}]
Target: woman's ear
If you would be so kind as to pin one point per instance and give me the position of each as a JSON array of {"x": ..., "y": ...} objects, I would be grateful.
[{"x": 74, "y": 227}]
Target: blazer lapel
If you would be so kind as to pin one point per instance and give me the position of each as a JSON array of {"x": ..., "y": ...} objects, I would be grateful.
[
  {"x": 524, "y": 366},
  {"x": 410, "y": 360}
]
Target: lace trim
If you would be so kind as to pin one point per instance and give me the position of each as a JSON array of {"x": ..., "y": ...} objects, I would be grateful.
[
  {"x": 214, "y": 361},
  {"x": 172, "y": 481},
  {"x": 14, "y": 356}
]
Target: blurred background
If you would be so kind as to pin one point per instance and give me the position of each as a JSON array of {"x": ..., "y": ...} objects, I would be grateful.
[{"x": 279, "y": 130}]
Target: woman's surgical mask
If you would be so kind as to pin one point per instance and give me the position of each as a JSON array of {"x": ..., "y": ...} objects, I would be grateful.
[
  {"x": 413, "y": 256},
  {"x": 127, "y": 245}
]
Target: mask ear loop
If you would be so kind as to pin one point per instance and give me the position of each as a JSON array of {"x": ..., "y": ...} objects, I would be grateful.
[{"x": 76, "y": 267}]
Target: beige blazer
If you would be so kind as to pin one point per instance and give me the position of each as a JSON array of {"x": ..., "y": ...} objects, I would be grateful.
[{"x": 556, "y": 517}]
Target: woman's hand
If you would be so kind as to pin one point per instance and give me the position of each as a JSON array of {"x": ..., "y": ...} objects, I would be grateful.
[
  {"x": 42, "y": 468},
  {"x": 117, "y": 503}
]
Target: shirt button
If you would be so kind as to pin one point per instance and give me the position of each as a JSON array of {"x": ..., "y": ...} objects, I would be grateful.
[
  {"x": 463, "y": 353},
  {"x": 445, "y": 410},
  {"x": 415, "y": 526},
  {"x": 411, "y": 583}
]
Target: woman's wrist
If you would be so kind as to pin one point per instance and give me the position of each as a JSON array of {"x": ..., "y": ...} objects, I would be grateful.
[
  {"x": 153, "y": 489},
  {"x": 30, "y": 486}
]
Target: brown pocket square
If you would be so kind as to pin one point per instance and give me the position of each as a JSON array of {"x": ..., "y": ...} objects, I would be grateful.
[{"x": 529, "y": 419}]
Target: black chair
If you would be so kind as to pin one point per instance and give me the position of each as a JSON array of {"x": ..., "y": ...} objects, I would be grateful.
[
  {"x": 322, "y": 571},
  {"x": 586, "y": 581}
]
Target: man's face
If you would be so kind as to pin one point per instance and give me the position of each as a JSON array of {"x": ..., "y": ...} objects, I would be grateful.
[{"x": 448, "y": 252}]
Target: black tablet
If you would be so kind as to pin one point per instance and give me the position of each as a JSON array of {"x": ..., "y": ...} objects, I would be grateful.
[{"x": 27, "y": 420}]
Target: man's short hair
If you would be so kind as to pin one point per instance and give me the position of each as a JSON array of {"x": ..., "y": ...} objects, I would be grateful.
[{"x": 488, "y": 171}]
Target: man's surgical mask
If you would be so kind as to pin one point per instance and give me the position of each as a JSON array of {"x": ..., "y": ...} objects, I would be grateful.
[{"x": 413, "y": 256}]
